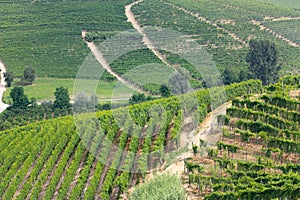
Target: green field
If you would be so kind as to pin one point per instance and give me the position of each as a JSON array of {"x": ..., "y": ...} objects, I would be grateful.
[
  {"x": 85, "y": 159},
  {"x": 232, "y": 15},
  {"x": 224, "y": 142},
  {"x": 288, "y": 28},
  {"x": 47, "y": 35},
  {"x": 295, "y": 4},
  {"x": 43, "y": 89}
]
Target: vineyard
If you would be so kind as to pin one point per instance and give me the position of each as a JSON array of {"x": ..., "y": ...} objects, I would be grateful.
[
  {"x": 288, "y": 28},
  {"x": 99, "y": 155},
  {"x": 125, "y": 149},
  {"x": 257, "y": 154},
  {"x": 224, "y": 27},
  {"x": 289, "y": 4},
  {"x": 46, "y": 35}
]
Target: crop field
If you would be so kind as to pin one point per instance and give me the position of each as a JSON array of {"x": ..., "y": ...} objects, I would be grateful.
[
  {"x": 294, "y": 4},
  {"x": 46, "y": 35},
  {"x": 219, "y": 25},
  {"x": 100, "y": 157},
  {"x": 257, "y": 154},
  {"x": 288, "y": 28},
  {"x": 52, "y": 152}
]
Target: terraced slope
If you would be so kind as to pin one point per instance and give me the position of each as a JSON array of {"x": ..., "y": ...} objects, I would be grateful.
[{"x": 101, "y": 155}]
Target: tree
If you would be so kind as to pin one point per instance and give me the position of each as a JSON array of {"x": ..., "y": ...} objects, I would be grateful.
[
  {"x": 230, "y": 75},
  {"x": 164, "y": 91},
  {"x": 8, "y": 78},
  {"x": 62, "y": 98},
  {"x": 221, "y": 120},
  {"x": 20, "y": 100},
  {"x": 195, "y": 149},
  {"x": 262, "y": 58},
  {"x": 137, "y": 98},
  {"x": 84, "y": 103},
  {"x": 28, "y": 75},
  {"x": 179, "y": 84}
]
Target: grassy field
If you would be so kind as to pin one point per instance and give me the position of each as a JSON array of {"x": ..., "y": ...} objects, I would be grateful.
[{"x": 43, "y": 89}]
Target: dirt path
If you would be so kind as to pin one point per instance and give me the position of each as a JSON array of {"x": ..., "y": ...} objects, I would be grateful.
[
  {"x": 204, "y": 131},
  {"x": 131, "y": 18},
  {"x": 100, "y": 58},
  {"x": 146, "y": 40},
  {"x": 3, "y": 106},
  {"x": 277, "y": 35},
  {"x": 283, "y": 19},
  {"x": 203, "y": 19}
]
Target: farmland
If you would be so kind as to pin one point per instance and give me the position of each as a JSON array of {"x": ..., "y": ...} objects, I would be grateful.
[
  {"x": 101, "y": 163},
  {"x": 294, "y": 4},
  {"x": 288, "y": 28},
  {"x": 221, "y": 26},
  {"x": 44, "y": 89},
  {"x": 47, "y": 35},
  {"x": 168, "y": 57},
  {"x": 256, "y": 153}
]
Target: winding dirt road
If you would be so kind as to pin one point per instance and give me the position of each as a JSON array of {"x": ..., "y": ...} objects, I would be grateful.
[
  {"x": 100, "y": 58},
  {"x": 131, "y": 18},
  {"x": 146, "y": 40},
  {"x": 3, "y": 106}
]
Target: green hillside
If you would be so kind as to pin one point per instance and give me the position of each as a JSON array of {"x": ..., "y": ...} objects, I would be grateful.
[
  {"x": 46, "y": 35},
  {"x": 99, "y": 155},
  {"x": 150, "y": 99}
]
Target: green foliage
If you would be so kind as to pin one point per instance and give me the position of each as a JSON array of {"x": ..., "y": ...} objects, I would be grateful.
[
  {"x": 262, "y": 58},
  {"x": 54, "y": 42},
  {"x": 84, "y": 103},
  {"x": 195, "y": 149},
  {"x": 57, "y": 148},
  {"x": 8, "y": 78},
  {"x": 62, "y": 98},
  {"x": 20, "y": 100},
  {"x": 164, "y": 91},
  {"x": 221, "y": 119},
  {"x": 139, "y": 98},
  {"x": 28, "y": 75},
  {"x": 231, "y": 75},
  {"x": 213, "y": 153},
  {"x": 166, "y": 187}
]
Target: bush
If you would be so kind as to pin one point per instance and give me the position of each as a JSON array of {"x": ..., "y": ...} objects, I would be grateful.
[{"x": 162, "y": 187}]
